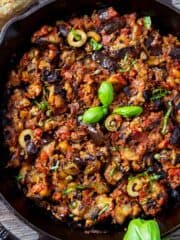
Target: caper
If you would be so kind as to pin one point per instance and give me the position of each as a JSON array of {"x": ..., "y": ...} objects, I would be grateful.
[{"x": 128, "y": 111}]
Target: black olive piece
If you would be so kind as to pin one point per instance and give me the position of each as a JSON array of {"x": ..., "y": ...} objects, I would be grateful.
[
  {"x": 94, "y": 214},
  {"x": 177, "y": 159},
  {"x": 157, "y": 105},
  {"x": 113, "y": 26},
  {"x": 175, "y": 53},
  {"x": 150, "y": 170},
  {"x": 27, "y": 138},
  {"x": 127, "y": 91},
  {"x": 46, "y": 138},
  {"x": 81, "y": 163},
  {"x": 41, "y": 42},
  {"x": 175, "y": 136},
  {"x": 177, "y": 107},
  {"x": 103, "y": 14},
  {"x": 148, "y": 41},
  {"x": 21, "y": 158},
  {"x": 120, "y": 53},
  {"x": 59, "y": 90},
  {"x": 105, "y": 61},
  {"x": 156, "y": 50},
  {"x": 150, "y": 203},
  {"x": 50, "y": 76},
  {"x": 63, "y": 30},
  {"x": 31, "y": 148},
  {"x": 147, "y": 95},
  {"x": 175, "y": 194},
  {"x": 96, "y": 135}
]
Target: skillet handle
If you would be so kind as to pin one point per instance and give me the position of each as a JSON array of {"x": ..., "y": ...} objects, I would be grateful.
[
  {"x": 173, "y": 4},
  {"x": 4, "y": 234},
  {"x": 12, "y": 227}
]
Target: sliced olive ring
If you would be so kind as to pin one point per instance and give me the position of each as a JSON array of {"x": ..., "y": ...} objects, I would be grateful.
[
  {"x": 27, "y": 133},
  {"x": 113, "y": 122},
  {"x": 94, "y": 35},
  {"x": 72, "y": 38}
]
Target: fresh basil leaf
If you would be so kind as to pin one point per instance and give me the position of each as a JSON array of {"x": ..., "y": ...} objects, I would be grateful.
[
  {"x": 106, "y": 93},
  {"x": 94, "y": 114},
  {"x": 140, "y": 229},
  {"x": 128, "y": 111}
]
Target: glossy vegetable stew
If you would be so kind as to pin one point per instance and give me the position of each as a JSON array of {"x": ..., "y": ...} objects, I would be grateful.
[{"x": 92, "y": 118}]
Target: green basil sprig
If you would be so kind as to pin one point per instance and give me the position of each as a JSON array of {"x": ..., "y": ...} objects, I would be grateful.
[
  {"x": 94, "y": 114},
  {"x": 147, "y": 22},
  {"x": 106, "y": 93},
  {"x": 140, "y": 229},
  {"x": 128, "y": 111}
]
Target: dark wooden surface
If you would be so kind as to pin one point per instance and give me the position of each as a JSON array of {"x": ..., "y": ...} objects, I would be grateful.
[{"x": 11, "y": 227}]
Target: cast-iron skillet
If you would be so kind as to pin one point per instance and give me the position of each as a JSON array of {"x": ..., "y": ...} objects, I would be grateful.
[{"x": 15, "y": 39}]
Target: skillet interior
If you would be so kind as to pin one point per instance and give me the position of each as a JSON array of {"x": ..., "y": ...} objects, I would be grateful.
[{"x": 16, "y": 41}]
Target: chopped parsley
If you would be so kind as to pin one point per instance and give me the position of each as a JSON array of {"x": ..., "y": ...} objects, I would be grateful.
[
  {"x": 166, "y": 118},
  {"x": 76, "y": 36},
  {"x": 55, "y": 166},
  {"x": 95, "y": 45},
  {"x": 128, "y": 66},
  {"x": 104, "y": 209},
  {"x": 19, "y": 177},
  {"x": 42, "y": 105},
  {"x": 159, "y": 93}
]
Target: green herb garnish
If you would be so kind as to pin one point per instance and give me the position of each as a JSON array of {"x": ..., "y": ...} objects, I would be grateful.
[
  {"x": 166, "y": 118},
  {"x": 82, "y": 187},
  {"x": 147, "y": 22},
  {"x": 103, "y": 209},
  {"x": 55, "y": 167},
  {"x": 113, "y": 171},
  {"x": 159, "y": 93},
  {"x": 115, "y": 148},
  {"x": 129, "y": 66},
  {"x": 19, "y": 177},
  {"x": 154, "y": 177},
  {"x": 78, "y": 187},
  {"x": 68, "y": 190},
  {"x": 76, "y": 36},
  {"x": 42, "y": 105},
  {"x": 95, "y": 45}
]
